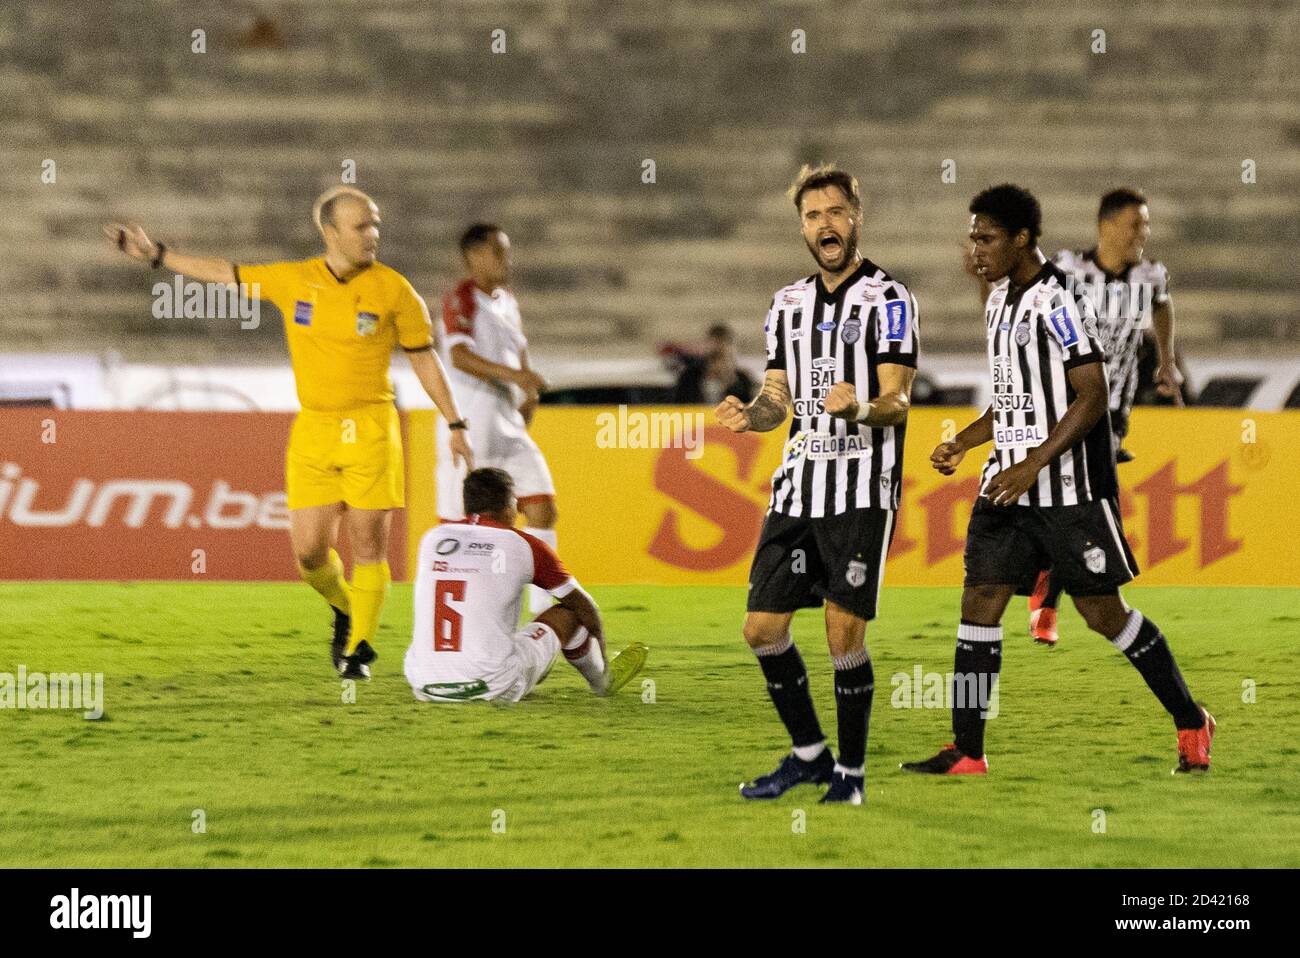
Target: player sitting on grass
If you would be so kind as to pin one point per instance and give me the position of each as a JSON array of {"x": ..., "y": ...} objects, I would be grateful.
[
  {"x": 468, "y": 592},
  {"x": 1049, "y": 493}
]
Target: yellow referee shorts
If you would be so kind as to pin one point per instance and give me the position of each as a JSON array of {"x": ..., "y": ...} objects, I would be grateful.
[{"x": 352, "y": 456}]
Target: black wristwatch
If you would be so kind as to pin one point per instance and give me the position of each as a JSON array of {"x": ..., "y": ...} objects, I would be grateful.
[{"x": 458, "y": 424}]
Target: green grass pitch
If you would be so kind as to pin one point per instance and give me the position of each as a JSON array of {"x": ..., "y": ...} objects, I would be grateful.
[{"x": 219, "y": 697}]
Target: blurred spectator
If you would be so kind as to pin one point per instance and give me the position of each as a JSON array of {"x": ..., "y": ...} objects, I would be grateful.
[
  {"x": 705, "y": 375},
  {"x": 263, "y": 33}
]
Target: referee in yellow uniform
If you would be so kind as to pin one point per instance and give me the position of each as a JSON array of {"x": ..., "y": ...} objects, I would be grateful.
[{"x": 343, "y": 314}]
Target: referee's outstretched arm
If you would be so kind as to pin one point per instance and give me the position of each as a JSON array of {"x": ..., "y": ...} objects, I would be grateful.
[
  {"x": 131, "y": 239},
  {"x": 765, "y": 413}
]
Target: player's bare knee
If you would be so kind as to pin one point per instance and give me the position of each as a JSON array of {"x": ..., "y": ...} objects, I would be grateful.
[
  {"x": 312, "y": 557},
  {"x": 763, "y": 631},
  {"x": 561, "y": 620},
  {"x": 984, "y": 603},
  {"x": 1104, "y": 614}
]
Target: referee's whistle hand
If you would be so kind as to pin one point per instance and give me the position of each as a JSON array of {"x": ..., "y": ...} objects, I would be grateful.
[{"x": 731, "y": 413}]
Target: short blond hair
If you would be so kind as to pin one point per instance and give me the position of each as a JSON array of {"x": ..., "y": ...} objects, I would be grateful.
[
  {"x": 322, "y": 211},
  {"x": 821, "y": 176}
]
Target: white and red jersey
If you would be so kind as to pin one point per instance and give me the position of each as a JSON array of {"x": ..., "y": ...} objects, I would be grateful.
[
  {"x": 468, "y": 592},
  {"x": 490, "y": 325}
]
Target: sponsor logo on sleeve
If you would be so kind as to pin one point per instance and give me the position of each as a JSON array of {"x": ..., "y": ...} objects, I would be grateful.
[
  {"x": 895, "y": 320},
  {"x": 302, "y": 311},
  {"x": 1064, "y": 327}
]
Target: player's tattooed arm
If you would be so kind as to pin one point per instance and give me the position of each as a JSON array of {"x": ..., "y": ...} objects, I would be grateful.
[
  {"x": 948, "y": 455},
  {"x": 1089, "y": 405},
  {"x": 766, "y": 412},
  {"x": 132, "y": 240},
  {"x": 1168, "y": 379}
]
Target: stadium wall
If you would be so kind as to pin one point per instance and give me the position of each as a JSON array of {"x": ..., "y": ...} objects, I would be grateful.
[
  {"x": 1199, "y": 502},
  {"x": 185, "y": 496}
]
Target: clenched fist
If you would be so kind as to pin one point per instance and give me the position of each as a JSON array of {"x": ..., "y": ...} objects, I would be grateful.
[
  {"x": 731, "y": 412},
  {"x": 946, "y": 457},
  {"x": 842, "y": 401}
]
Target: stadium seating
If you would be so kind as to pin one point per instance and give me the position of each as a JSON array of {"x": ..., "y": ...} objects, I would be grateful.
[{"x": 223, "y": 151}]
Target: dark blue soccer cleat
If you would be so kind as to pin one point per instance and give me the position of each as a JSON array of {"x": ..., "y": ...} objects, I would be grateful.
[
  {"x": 845, "y": 790},
  {"x": 791, "y": 772},
  {"x": 339, "y": 640}
]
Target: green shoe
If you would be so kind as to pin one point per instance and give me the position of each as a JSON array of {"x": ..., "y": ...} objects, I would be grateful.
[{"x": 624, "y": 666}]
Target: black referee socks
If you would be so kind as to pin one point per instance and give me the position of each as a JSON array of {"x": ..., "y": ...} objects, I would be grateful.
[
  {"x": 854, "y": 683},
  {"x": 976, "y": 665},
  {"x": 1144, "y": 645},
  {"x": 787, "y": 683}
]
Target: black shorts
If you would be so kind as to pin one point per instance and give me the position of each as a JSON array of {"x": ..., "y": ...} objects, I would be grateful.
[
  {"x": 800, "y": 562},
  {"x": 1084, "y": 546}
]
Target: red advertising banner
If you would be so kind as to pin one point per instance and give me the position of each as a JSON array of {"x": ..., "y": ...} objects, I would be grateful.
[{"x": 147, "y": 495}]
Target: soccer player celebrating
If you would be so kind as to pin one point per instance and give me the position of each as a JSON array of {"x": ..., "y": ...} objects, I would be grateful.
[
  {"x": 343, "y": 313},
  {"x": 1130, "y": 295},
  {"x": 1048, "y": 491},
  {"x": 487, "y": 355},
  {"x": 841, "y": 349},
  {"x": 468, "y": 590}
]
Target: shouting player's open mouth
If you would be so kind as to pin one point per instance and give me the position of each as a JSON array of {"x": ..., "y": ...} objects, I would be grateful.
[{"x": 831, "y": 248}]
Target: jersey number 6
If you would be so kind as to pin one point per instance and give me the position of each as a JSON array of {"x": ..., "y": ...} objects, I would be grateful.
[{"x": 446, "y": 620}]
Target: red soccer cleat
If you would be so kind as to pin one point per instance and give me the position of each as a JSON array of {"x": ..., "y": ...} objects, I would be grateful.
[
  {"x": 1042, "y": 626},
  {"x": 949, "y": 761},
  {"x": 1194, "y": 745},
  {"x": 1040, "y": 592}
]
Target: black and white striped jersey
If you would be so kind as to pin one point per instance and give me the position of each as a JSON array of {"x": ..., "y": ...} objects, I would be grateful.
[
  {"x": 1124, "y": 303},
  {"x": 1037, "y": 333},
  {"x": 818, "y": 338}
]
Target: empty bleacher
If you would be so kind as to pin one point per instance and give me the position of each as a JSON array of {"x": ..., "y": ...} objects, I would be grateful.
[{"x": 223, "y": 151}]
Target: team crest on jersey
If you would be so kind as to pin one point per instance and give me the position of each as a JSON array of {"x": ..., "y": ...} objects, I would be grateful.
[
  {"x": 1064, "y": 326},
  {"x": 895, "y": 320},
  {"x": 302, "y": 312},
  {"x": 367, "y": 323},
  {"x": 857, "y": 574},
  {"x": 852, "y": 330},
  {"x": 1022, "y": 334},
  {"x": 1095, "y": 560}
]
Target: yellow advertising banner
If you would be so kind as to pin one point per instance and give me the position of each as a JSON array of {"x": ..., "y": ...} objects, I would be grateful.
[{"x": 664, "y": 495}]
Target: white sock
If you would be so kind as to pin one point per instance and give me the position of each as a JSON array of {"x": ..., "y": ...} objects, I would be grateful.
[
  {"x": 592, "y": 663},
  {"x": 806, "y": 753},
  {"x": 539, "y": 600},
  {"x": 858, "y": 772}
]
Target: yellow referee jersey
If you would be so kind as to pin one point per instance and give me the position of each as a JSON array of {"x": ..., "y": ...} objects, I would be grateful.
[{"x": 341, "y": 334}]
